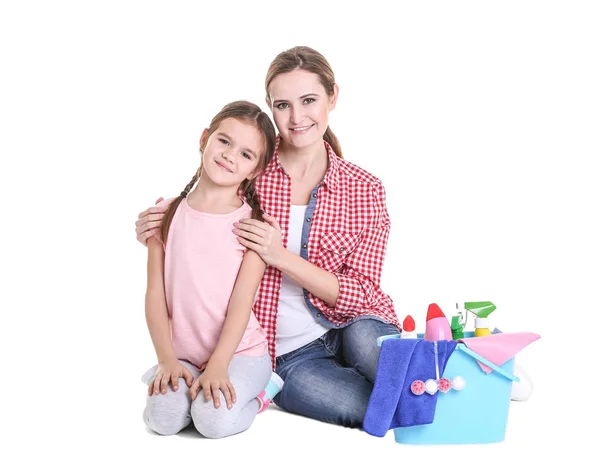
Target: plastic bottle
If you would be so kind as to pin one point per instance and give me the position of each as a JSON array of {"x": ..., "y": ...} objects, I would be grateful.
[
  {"x": 481, "y": 327},
  {"x": 408, "y": 328},
  {"x": 437, "y": 327}
]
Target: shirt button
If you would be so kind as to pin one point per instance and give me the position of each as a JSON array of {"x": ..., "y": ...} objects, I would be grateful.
[
  {"x": 341, "y": 249},
  {"x": 318, "y": 315},
  {"x": 337, "y": 324},
  {"x": 308, "y": 220},
  {"x": 304, "y": 246},
  {"x": 315, "y": 195}
]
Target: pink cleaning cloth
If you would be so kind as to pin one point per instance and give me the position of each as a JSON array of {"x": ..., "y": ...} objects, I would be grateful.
[{"x": 499, "y": 348}]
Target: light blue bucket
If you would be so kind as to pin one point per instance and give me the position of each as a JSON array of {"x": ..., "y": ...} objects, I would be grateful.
[{"x": 474, "y": 415}]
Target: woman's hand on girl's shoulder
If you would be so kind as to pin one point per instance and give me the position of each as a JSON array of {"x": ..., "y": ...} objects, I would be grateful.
[
  {"x": 167, "y": 372},
  {"x": 211, "y": 381},
  {"x": 149, "y": 220},
  {"x": 262, "y": 237}
]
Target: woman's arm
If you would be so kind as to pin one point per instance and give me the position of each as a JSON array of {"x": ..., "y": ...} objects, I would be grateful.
[
  {"x": 317, "y": 281},
  {"x": 149, "y": 221},
  {"x": 351, "y": 287},
  {"x": 265, "y": 239},
  {"x": 360, "y": 276}
]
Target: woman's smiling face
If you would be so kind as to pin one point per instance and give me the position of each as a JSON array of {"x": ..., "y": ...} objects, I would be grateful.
[{"x": 300, "y": 107}]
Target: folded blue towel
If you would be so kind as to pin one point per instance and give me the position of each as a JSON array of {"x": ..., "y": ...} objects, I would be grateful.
[{"x": 392, "y": 404}]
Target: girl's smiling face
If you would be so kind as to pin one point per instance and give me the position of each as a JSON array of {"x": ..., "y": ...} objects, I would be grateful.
[
  {"x": 232, "y": 152},
  {"x": 300, "y": 107}
]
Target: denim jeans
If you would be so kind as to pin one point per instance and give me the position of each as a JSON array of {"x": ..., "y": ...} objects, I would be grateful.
[{"x": 331, "y": 378}]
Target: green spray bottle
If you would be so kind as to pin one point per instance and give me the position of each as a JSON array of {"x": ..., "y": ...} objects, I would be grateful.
[{"x": 481, "y": 310}]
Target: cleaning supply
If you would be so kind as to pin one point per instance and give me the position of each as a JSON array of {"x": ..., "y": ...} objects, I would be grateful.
[
  {"x": 437, "y": 327},
  {"x": 522, "y": 390},
  {"x": 408, "y": 328},
  {"x": 499, "y": 348},
  {"x": 481, "y": 310},
  {"x": 431, "y": 386},
  {"x": 481, "y": 327},
  {"x": 459, "y": 322},
  {"x": 457, "y": 326},
  {"x": 392, "y": 404}
]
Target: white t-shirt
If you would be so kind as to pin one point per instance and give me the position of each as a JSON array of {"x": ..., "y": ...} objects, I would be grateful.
[{"x": 296, "y": 326}]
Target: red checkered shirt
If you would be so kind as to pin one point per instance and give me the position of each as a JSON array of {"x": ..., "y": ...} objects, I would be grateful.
[{"x": 348, "y": 237}]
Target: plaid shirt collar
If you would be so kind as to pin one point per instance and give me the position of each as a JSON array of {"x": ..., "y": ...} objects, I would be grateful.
[{"x": 331, "y": 176}]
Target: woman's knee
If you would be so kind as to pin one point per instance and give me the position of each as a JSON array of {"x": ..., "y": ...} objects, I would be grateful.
[
  {"x": 367, "y": 330},
  {"x": 326, "y": 392}
]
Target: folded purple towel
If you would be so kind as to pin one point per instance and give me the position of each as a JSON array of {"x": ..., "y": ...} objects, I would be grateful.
[{"x": 392, "y": 404}]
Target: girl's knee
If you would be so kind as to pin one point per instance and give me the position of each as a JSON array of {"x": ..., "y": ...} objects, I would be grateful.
[
  {"x": 211, "y": 422},
  {"x": 166, "y": 416}
]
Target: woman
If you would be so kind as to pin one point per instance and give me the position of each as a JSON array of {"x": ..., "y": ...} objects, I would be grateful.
[{"x": 324, "y": 241}]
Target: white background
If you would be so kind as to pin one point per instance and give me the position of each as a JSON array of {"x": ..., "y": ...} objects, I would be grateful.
[{"x": 481, "y": 118}]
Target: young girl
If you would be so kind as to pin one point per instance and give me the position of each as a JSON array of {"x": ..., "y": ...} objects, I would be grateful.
[
  {"x": 320, "y": 299},
  {"x": 201, "y": 287}
]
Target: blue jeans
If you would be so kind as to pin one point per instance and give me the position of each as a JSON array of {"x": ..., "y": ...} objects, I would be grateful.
[{"x": 331, "y": 378}]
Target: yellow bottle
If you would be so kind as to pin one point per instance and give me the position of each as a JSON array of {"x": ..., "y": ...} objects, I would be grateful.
[{"x": 481, "y": 327}]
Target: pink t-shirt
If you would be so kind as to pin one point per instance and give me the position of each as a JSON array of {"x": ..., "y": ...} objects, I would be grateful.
[{"x": 202, "y": 260}]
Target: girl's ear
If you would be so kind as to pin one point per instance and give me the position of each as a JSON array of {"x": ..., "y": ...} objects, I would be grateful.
[
  {"x": 203, "y": 139},
  {"x": 334, "y": 97}
]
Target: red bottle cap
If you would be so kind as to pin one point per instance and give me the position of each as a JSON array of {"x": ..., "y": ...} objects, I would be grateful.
[
  {"x": 408, "y": 324},
  {"x": 434, "y": 311}
]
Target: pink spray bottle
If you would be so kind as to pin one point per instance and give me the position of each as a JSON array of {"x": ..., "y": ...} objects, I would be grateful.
[{"x": 437, "y": 327}]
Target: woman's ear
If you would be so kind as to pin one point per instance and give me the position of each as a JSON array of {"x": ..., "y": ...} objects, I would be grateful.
[
  {"x": 203, "y": 140},
  {"x": 334, "y": 97}
]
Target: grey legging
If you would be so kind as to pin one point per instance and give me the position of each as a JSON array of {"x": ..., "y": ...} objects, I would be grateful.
[{"x": 171, "y": 412}]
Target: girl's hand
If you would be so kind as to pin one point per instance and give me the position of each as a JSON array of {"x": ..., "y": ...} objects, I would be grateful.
[
  {"x": 213, "y": 380},
  {"x": 263, "y": 238},
  {"x": 169, "y": 371},
  {"x": 149, "y": 221}
]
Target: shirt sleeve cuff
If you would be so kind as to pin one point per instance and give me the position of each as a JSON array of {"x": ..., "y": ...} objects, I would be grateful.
[{"x": 351, "y": 295}]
